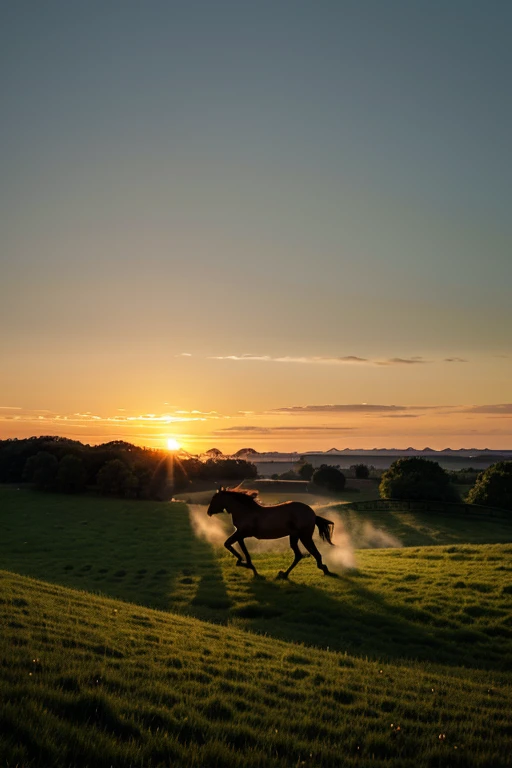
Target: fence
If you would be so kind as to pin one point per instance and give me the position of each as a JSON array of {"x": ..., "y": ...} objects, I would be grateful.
[{"x": 436, "y": 507}]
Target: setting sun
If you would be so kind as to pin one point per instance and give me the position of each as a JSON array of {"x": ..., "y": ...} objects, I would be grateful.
[{"x": 172, "y": 444}]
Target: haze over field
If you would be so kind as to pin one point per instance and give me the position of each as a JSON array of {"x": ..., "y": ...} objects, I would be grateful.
[{"x": 278, "y": 225}]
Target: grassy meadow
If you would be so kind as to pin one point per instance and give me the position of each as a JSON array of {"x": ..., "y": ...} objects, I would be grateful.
[{"x": 127, "y": 640}]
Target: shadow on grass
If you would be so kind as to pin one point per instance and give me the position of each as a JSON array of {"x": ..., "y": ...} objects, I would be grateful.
[
  {"x": 141, "y": 552},
  {"x": 423, "y": 529},
  {"x": 147, "y": 553},
  {"x": 363, "y": 623}
]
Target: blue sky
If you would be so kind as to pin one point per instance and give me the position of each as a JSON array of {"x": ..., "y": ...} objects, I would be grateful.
[{"x": 285, "y": 179}]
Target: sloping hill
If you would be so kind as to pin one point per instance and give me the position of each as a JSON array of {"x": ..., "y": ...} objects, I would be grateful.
[
  {"x": 90, "y": 681},
  {"x": 406, "y": 658}
]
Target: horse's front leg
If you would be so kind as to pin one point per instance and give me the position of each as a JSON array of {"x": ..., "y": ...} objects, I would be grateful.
[
  {"x": 250, "y": 564},
  {"x": 229, "y": 546}
]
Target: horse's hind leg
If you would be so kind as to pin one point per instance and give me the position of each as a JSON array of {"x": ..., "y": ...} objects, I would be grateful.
[
  {"x": 229, "y": 546},
  {"x": 310, "y": 545},
  {"x": 294, "y": 544},
  {"x": 250, "y": 564}
]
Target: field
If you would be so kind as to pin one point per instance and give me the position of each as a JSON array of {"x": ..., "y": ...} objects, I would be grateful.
[{"x": 128, "y": 640}]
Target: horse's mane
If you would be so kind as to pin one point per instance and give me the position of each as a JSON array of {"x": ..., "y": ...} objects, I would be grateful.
[{"x": 246, "y": 497}]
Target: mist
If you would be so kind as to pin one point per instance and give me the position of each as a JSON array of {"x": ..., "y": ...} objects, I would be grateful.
[
  {"x": 338, "y": 558},
  {"x": 214, "y": 530},
  {"x": 341, "y": 556}
]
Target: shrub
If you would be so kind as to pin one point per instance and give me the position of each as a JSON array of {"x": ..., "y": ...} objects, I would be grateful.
[
  {"x": 361, "y": 471},
  {"x": 306, "y": 471},
  {"x": 493, "y": 487},
  {"x": 417, "y": 478},
  {"x": 330, "y": 478},
  {"x": 289, "y": 475}
]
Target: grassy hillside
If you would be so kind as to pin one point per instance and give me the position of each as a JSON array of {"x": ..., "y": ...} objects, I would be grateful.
[
  {"x": 91, "y": 681},
  {"x": 407, "y": 655},
  {"x": 446, "y": 604}
]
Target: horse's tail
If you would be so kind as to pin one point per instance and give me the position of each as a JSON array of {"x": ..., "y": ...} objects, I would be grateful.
[{"x": 325, "y": 528}]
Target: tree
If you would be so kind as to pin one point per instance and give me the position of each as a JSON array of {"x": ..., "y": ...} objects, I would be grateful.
[
  {"x": 245, "y": 452},
  {"x": 330, "y": 478},
  {"x": 493, "y": 487},
  {"x": 229, "y": 469},
  {"x": 306, "y": 471},
  {"x": 288, "y": 475},
  {"x": 41, "y": 470},
  {"x": 71, "y": 474},
  {"x": 361, "y": 471},
  {"x": 417, "y": 478},
  {"x": 115, "y": 479}
]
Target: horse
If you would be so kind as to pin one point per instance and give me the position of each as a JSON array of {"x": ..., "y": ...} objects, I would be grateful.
[{"x": 291, "y": 518}]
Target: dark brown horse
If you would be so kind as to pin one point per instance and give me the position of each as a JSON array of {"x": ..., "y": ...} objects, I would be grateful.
[{"x": 293, "y": 519}]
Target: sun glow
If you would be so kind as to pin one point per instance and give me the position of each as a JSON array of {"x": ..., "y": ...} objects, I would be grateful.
[{"x": 172, "y": 444}]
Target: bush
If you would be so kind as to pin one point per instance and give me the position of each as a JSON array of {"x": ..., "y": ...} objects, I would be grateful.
[
  {"x": 361, "y": 471},
  {"x": 289, "y": 475},
  {"x": 493, "y": 487},
  {"x": 71, "y": 474},
  {"x": 306, "y": 471},
  {"x": 330, "y": 478},
  {"x": 417, "y": 478}
]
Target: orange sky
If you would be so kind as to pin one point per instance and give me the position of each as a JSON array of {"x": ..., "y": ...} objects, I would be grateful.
[
  {"x": 287, "y": 404},
  {"x": 214, "y": 225}
]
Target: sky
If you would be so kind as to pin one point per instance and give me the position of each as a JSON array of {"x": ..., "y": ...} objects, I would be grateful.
[{"x": 280, "y": 225}]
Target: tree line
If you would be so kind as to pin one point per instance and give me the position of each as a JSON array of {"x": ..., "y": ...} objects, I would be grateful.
[
  {"x": 417, "y": 478},
  {"x": 420, "y": 479},
  {"x": 117, "y": 468}
]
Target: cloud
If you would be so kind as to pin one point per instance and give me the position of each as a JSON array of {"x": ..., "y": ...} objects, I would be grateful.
[
  {"x": 400, "y": 415},
  {"x": 183, "y": 354},
  {"x": 257, "y": 430},
  {"x": 402, "y": 361},
  {"x": 332, "y": 360},
  {"x": 347, "y": 408},
  {"x": 79, "y": 419},
  {"x": 503, "y": 409},
  {"x": 316, "y": 359},
  {"x": 10, "y": 408}
]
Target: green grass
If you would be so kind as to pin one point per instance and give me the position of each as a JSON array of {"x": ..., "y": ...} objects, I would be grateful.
[
  {"x": 91, "y": 681},
  {"x": 371, "y": 667},
  {"x": 417, "y": 529}
]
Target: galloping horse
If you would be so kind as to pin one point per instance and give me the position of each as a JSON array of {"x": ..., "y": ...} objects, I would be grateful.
[{"x": 292, "y": 518}]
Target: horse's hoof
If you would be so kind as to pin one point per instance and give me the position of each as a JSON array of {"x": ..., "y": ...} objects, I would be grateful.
[
  {"x": 282, "y": 575},
  {"x": 241, "y": 564},
  {"x": 259, "y": 576},
  {"x": 331, "y": 574}
]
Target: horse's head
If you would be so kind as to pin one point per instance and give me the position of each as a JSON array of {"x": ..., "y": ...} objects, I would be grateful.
[
  {"x": 217, "y": 502},
  {"x": 230, "y": 496}
]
